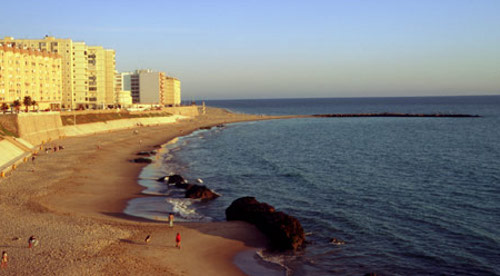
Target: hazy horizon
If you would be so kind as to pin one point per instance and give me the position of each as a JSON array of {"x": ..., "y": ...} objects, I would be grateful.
[{"x": 287, "y": 49}]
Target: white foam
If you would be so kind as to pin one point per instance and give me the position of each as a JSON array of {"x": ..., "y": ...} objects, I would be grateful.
[
  {"x": 183, "y": 209},
  {"x": 274, "y": 259}
]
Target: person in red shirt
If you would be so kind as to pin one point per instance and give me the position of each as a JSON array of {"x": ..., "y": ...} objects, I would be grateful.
[{"x": 178, "y": 240}]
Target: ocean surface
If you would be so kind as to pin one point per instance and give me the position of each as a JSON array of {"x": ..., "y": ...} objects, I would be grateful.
[{"x": 409, "y": 196}]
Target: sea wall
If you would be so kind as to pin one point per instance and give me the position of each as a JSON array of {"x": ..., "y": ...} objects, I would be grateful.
[
  {"x": 93, "y": 128},
  {"x": 39, "y": 127},
  {"x": 9, "y": 122},
  {"x": 12, "y": 153}
]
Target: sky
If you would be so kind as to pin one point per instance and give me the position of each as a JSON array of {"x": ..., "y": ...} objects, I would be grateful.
[{"x": 285, "y": 49}]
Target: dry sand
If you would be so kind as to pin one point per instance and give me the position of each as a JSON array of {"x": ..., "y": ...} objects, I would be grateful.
[{"x": 72, "y": 201}]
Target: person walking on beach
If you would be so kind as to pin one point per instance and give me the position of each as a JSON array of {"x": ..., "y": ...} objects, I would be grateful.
[
  {"x": 171, "y": 219},
  {"x": 32, "y": 241},
  {"x": 178, "y": 240},
  {"x": 5, "y": 260}
]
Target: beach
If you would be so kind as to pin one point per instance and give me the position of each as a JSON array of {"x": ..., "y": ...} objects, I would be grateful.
[{"x": 72, "y": 201}]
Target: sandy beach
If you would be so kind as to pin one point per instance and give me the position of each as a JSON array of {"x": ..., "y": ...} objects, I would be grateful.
[{"x": 72, "y": 201}]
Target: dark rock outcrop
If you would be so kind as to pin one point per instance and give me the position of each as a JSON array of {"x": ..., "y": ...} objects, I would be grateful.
[
  {"x": 146, "y": 153},
  {"x": 175, "y": 179},
  {"x": 183, "y": 185},
  {"x": 284, "y": 232},
  {"x": 141, "y": 160},
  {"x": 200, "y": 192}
]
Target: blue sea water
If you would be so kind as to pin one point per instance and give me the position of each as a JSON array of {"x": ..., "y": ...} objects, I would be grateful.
[{"x": 409, "y": 196}]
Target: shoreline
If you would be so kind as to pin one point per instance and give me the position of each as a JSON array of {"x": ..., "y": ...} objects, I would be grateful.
[{"x": 73, "y": 201}]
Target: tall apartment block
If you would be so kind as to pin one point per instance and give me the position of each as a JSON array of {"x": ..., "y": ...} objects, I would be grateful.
[
  {"x": 124, "y": 97},
  {"x": 172, "y": 91},
  {"x": 149, "y": 87},
  {"x": 86, "y": 81},
  {"x": 30, "y": 72}
]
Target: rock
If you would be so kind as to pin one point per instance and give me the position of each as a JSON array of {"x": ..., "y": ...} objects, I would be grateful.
[
  {"x": 284, "y": 232},
  {"x": 163, "y": 178},
  {"x": 206, "y": 128},
  {"x": 183, "y": 185},
  {"x": 142, "y": 160},
  {"x": 336, "y": 241},
  {"x": 247, "y": 209},
  {"x": 200, "y": 192},
  {"x": 146, "y": 153},
  {"x": 174, "y": 179}
]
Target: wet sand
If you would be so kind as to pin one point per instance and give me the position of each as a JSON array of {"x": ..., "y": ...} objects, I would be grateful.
[{"x": 73, "y": 201}]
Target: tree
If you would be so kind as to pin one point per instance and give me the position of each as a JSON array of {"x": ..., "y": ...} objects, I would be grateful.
[
  {"x": 27, "y": 102},
  {"x": 34, "y": 104},
  {"x": 17, "y": 105},
  {"x": 5, "y": 107}
]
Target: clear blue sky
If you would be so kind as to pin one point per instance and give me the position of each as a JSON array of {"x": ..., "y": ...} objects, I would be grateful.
[{"x": 286, "y": 49}]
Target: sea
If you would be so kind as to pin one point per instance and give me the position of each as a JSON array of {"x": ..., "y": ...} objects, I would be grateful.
[{"x": 406, "y": 196}]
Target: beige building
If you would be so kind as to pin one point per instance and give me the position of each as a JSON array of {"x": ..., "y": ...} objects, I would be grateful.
[
  {"x": 29, "y": 72},
  {"x": 149, "y": 87},
  {"x": 172, "y": 91},
  {"x": 109, "y": 75},
  {"x": 78, "y": 70},
  {"x": 79, "y": 95},
  {"x": 124, "y": 96}
]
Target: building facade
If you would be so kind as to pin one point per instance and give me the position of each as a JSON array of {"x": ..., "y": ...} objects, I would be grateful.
[
  {"x": 150, "y": 87},
  {"x": 30, "y": 72},
  {"x": 172, "y": 91},
  {"x": 78, "y": 70}
]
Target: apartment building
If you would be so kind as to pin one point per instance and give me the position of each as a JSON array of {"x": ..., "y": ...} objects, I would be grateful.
[
  {"x": 30, "y": 72},
  {"x": 78, "y": 70},
  {"x": 80, "y": 86},
  {"x": 109, "y": 75},
  {"x": 172, "y": 91},
  {"x": 150, "y": 87},
  {"x": 124, "y": 96}
]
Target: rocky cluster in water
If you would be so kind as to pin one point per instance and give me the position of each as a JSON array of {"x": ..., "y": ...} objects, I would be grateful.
[
  {"x": 194, "y": 191},
  {"x": 284, "y": 231}
]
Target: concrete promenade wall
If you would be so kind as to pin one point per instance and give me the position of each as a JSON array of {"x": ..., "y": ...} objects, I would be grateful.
[
  {"x": 38, "y": 127},
  {"x": 93, "y": 128},
  {"x": 9, "y": 152},
  {"x": 11, "y": 155},
  {"x": 9, "y": 122}
]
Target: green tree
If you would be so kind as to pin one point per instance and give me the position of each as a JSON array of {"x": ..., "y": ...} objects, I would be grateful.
[
  {"x": 17, "y": 105},
  {"x": 27, "y": 102},
  {"x": 5, "y": 107}
]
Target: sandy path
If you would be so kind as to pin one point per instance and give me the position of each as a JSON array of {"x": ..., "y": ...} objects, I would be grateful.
[{"x": 72, "y": 201}]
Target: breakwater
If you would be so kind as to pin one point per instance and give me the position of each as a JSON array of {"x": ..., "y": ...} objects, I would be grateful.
[{"x": 389, "y": 114}]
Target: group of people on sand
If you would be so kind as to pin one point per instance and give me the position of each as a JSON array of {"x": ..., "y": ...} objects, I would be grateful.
[
  {"x": 54, "y": 148},
  {"x": 178, "y": 236},
  {"x": 171, "y": 224},
  {"x": 32, "y": 242}
]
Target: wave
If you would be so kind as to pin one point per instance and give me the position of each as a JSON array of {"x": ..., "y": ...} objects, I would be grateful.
[
  {"x": 183, "y": 209},
  {"x": 276, "y": 259}
]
